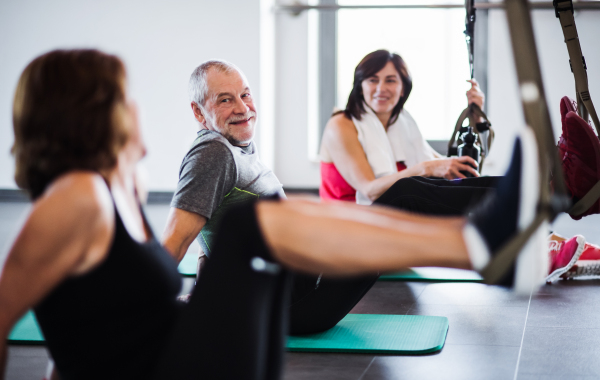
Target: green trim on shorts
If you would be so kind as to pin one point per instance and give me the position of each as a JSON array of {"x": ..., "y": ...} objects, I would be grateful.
[{"x": 208, "y": 232}]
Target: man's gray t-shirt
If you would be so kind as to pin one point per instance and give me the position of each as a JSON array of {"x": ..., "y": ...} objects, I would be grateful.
[{"x": 215, "y": 175}]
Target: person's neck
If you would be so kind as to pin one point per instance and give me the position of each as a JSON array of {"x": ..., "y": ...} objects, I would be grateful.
[
  {"x": 122, "y": 175},
  {"x": 384, "y": 118},
  {"x": 122, "y": 179}
]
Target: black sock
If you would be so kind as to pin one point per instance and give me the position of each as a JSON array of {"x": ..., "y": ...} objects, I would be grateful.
[{"x": 496, "y": 218}]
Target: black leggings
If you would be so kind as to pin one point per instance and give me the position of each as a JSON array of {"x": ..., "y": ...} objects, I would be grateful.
[
  {"x": 437, "y": 196},
  {"x": 235, "y": 323},
  {"x": 319, "y": 304}
]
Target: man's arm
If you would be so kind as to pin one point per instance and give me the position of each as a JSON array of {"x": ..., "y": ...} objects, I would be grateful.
[{"x": 181, "y": 230}]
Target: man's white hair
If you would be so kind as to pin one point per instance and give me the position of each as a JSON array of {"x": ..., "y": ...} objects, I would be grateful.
[{"x": 197, "y": 86}]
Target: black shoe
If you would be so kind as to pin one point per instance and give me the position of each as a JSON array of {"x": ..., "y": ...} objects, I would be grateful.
[{"x": 512, "y": 209}]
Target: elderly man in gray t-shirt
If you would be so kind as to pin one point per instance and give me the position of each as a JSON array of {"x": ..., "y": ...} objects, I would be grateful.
[{"x": 222, "y": 166}]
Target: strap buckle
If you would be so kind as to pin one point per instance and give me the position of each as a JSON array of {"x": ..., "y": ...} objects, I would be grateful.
[
  {"x": 482, "y": 127},
  {"x": 562, "y": 5}
]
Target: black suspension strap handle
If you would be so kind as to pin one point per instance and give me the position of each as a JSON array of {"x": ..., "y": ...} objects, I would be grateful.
[
  {"x": 483, "y": 130},
  {"x": 537, "y": 117}
]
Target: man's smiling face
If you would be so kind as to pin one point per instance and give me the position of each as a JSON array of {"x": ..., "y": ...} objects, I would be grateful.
[{"x": 229, "y": 107}]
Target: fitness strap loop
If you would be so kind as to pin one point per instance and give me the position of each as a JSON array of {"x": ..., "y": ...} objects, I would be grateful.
[
  {"x": 538, "y": 118},
  {"x": 483, "y": 130},
  {"x": 470, "y": 33},
  {"x": 564, "y": 12},
  {"x": 500, "y": 264}
]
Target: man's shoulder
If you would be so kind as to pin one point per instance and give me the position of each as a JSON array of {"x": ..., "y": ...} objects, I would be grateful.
[
  {"x": 210, "y": 138},
  {"x": 207, "y": 156},
  {"x": 211, "y": 144}
]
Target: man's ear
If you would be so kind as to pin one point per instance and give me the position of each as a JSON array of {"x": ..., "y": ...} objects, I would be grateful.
[{"x": 198, "y": 114}]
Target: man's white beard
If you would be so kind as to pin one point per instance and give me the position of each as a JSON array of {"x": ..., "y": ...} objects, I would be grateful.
[
  {"x": 211, "y": 125},
  {"x": 245, "y": 116}
]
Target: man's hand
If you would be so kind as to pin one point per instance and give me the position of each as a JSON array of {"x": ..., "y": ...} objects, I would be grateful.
[
  {"x": 181, "y": 230},
  {"x": 450, "y": 168}
]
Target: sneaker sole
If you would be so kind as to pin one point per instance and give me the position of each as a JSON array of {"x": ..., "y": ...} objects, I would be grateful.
[
  {"x": 584, "y": 268},
  {"x": 557, "y": 273},
  {"x": 531, "y": 267}
]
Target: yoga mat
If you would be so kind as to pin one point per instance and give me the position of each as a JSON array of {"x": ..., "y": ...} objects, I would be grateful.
[
  {"x": 433, "y": 274},
  {"x": 188, "y": 264},
  {"x": 26, "y": 331},
  {"x": 376, "y": 333},
  {"x": 358, "y": 333}
]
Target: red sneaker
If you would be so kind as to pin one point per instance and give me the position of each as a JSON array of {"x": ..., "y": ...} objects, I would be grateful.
[
  {"x": 566, "y": 105},
  {"x": 579, "y": 149},
  {"x": 590, "y": 252},
  {"x": 563, "y": 254},
  {"x": 583, "y": 268}
]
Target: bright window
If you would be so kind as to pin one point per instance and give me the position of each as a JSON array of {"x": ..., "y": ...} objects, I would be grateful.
[{"x": 432, "y": 43}]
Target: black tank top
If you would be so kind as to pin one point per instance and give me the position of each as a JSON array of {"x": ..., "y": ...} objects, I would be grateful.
[{"x": 112, "y": 322}]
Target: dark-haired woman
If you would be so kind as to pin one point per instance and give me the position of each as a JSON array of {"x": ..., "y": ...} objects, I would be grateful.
[
  {"x": 104, "y": 290},
  {"x": 375, "y": 142}
]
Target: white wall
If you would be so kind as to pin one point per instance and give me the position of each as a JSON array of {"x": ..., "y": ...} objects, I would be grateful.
[
  {"x": 294, "y": 168},
  {"x": 160, "y": 42},
  {"x": 504, "y": 106},
  {"x": 292, "y": 164}
]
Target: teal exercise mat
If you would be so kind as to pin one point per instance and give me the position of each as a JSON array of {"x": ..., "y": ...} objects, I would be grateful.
[
  {"x": 26, "y": 331},
  {"x": 377, "y": 333},
  {"x": 188, "y": 265},
  {"x": 433, "y": 274}
]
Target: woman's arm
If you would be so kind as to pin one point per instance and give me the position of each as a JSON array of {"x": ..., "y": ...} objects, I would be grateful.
[
  {"x": 340, "y": 140},
  {"x": 67, "y": 233},
  {"x": 475, "y": 95}
]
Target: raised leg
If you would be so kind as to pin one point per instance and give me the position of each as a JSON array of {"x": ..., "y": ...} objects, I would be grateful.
[{"x": 235, "y": 324}]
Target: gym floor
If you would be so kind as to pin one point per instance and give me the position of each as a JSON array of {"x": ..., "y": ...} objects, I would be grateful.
[{"x": 493, "y": 334}]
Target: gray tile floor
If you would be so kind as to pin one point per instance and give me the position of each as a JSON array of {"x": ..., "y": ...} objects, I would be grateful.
[{"x": 493, "y": 334}]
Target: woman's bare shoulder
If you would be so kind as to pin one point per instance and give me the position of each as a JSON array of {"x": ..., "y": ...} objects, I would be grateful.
[
  {"x": 340, "y": 124},
  {"x": 82, "y": 194},
  {"x": 72, "y": 222}
]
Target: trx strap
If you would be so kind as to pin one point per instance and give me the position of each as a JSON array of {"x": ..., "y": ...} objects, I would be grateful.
[
  {"x": 564, "y": 12},
  {"x": 538, "y": 118},
  {"x": 472, "y": 112},
  {"x": 470, "y": 33}
]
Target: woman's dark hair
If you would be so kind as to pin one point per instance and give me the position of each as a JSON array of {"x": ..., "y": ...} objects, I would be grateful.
[
  {"x": 369, "y": 66},
  {"x": 67, "y": 115}
]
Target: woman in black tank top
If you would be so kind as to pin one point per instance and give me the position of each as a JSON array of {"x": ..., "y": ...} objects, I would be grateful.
[{"x": 77, "y": 142}]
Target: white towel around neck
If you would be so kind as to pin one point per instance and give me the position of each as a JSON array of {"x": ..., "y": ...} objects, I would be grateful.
[{"x": 402, "y": 142}]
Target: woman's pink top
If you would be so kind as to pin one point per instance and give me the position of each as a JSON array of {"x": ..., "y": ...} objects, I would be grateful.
[{"x": 334, "y": 186}]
